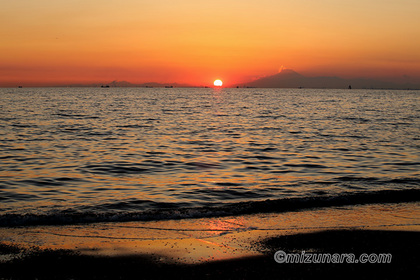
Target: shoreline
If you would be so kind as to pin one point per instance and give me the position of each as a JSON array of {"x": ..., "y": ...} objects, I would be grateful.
[
  {"x": 282, "y": 205},
  {"x": 211, "y": 247}
]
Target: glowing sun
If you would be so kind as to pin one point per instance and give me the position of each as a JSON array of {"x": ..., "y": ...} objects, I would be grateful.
[{"x": 218, "y": 83}]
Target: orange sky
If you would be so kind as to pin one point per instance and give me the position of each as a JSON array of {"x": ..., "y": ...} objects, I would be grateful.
[{"x": 48, "y": 42}]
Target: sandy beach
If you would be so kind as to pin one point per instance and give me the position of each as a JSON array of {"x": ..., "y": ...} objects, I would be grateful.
[
  {"x": 240, "y": 247},
  {"x": 403, "y": 245}
]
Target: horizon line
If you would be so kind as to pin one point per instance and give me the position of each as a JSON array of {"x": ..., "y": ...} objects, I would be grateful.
[{"x": 124, "y": 83}]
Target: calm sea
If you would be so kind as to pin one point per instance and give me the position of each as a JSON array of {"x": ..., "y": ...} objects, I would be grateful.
[{"x": 70, "y": 155}]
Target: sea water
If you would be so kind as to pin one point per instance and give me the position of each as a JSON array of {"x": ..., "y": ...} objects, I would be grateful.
[{"x": 70, "y": 155}]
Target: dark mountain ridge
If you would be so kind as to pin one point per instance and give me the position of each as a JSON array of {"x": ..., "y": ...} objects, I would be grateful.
[{"x": 288, "y": 78}]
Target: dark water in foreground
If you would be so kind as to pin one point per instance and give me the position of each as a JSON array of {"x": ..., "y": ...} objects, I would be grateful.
[{"x": 89, "y": 154}]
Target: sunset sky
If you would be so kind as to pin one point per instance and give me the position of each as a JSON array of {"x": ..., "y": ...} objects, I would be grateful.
[{"x": 46, "y": 42}]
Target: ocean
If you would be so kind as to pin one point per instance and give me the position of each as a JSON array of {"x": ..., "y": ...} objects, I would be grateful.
[{"x": 87, "y": 155}]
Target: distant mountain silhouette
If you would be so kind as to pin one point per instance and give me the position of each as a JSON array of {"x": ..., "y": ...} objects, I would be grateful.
[{"x": 288, "y": 78}]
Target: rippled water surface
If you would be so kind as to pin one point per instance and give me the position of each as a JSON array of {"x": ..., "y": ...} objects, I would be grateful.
[{"x": 135, "y": 149}]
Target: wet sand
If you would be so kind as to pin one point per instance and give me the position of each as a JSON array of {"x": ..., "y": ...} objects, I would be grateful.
[
  {"x": 403, "y": 245},
  {"x": 239, "y": 247}
]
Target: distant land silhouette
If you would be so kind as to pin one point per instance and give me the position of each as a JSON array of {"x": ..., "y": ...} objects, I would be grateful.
[
  {"x": 288, "y": 78},
  {"x": 128, "y": 84}
]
